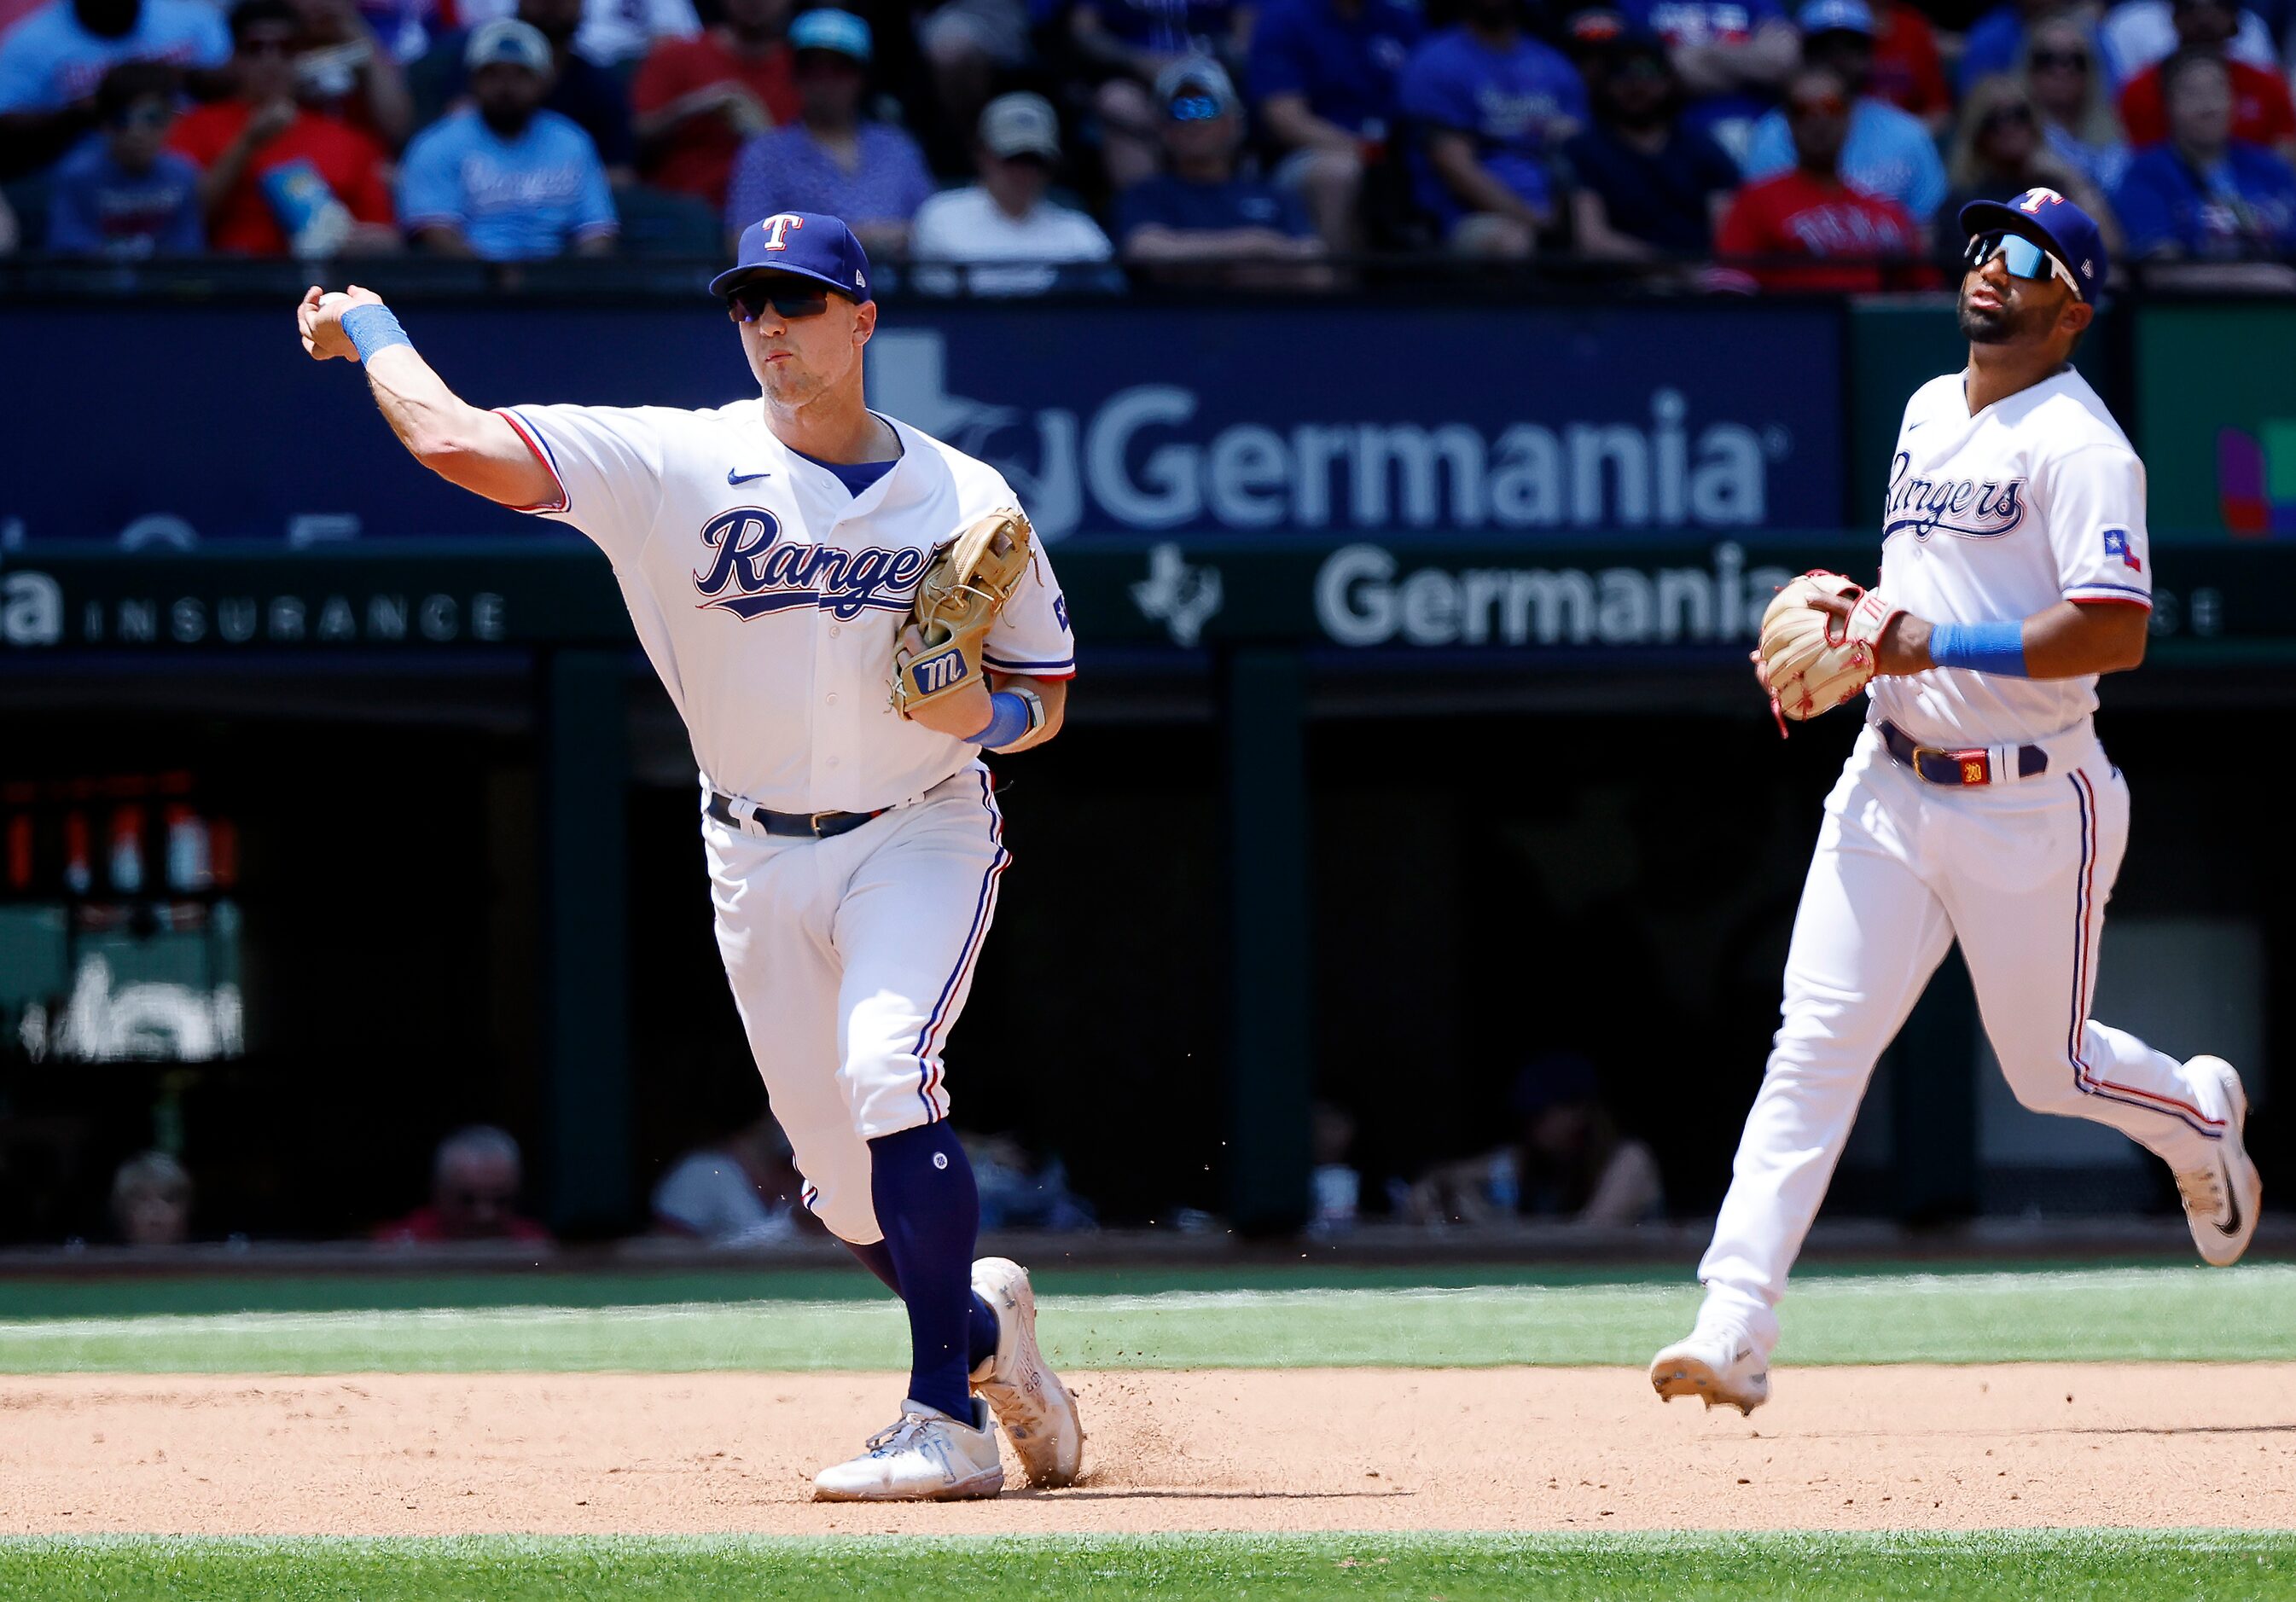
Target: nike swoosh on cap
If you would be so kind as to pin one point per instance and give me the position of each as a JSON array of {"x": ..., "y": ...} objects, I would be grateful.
[{"x": 734, "y": 477}]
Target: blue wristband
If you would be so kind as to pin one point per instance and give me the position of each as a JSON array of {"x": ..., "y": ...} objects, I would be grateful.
[
  {"x": 1008, "y": 720},
  {"x": 1980, "y": 647},
  {"x": 372, "y": 328}
]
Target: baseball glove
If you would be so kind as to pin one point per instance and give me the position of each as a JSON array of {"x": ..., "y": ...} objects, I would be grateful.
[
  {"x": 964, "y": 588},
  {"x": 1812, "y": 659}
]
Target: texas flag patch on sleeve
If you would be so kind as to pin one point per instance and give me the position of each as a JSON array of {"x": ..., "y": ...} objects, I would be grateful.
[{"x": 2116, "y": 544}]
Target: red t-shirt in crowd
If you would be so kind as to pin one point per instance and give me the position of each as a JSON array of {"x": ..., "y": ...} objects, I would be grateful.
[
  {"x": 698, "y": 157},
  {"x": 1794, "y": 214},
  {"x": 243, "y": 224},
  {"x": 2261, "y": 113},
  {"x": 1907, "y": 71}
]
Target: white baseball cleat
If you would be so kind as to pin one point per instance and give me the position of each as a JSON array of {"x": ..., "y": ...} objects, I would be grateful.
[
  {"x": 1717, "y": 1362},
  {"x": 926, "y": 1457},
  {"x": 2221, "y": 1200},
  {"x": 1031, "y": 1403}
]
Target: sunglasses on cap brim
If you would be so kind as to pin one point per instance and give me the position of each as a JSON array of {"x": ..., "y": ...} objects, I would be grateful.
[
  {"x": 789, "y": 301},
  {"x": 1194, "y": 108},
  {"x": 2020, "y": 258}
]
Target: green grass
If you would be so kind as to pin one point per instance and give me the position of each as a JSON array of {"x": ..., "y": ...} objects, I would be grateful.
[
  {"x": 2090, "y": 1315},
  {"x": 1984, "y": 1567}
]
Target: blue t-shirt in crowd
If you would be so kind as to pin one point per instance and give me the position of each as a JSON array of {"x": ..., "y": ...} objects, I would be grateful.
[
  {"x": 1168, "y": 27},
  {"x": 1346, "y": 67},
  {"x": 788, "y": 170},
  {"x": 1517, "y": 105},
  {"x": 1729, "y": 118},
  {"x": 1889, "y": 154},
  {"x": 2245, "y": 206},
  {"x": 1665, "y": 201},
  {"x": 48, "y": 60},
  {"x": 513, "y": 199},
  {"x": 1174, "y": 202},
  {"x": 98, "y": 208}
]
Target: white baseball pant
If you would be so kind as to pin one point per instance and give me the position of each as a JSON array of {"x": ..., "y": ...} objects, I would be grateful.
[
  {"x": 2020, "y": 873},
  {"x": 850, "y": 960}
]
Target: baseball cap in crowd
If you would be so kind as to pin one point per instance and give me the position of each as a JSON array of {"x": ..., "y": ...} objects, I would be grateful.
[
  {"x": 806, "y": 244},
  {"x": 1595, "y": 25},
  {"x": 507, "y": 39},
  {"x": 1021, "y": 123},
  {"x": 2046, "y": 218},
  {"x": 1194, "y": 89},
  {"x": 834, "y": 30},
  {"x": 1835, "y": 16}
]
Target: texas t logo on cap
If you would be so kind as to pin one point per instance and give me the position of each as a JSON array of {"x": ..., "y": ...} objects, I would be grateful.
[
  {"x": 2031, "y": 201},
  {"x": 777, "y": 229},
  {"x": 800, "y": 244}
]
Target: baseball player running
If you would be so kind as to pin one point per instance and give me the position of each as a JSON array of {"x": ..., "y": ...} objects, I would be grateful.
[
  {"x": 783, "y": 562},
  {"x": 1977, "y": 804}
]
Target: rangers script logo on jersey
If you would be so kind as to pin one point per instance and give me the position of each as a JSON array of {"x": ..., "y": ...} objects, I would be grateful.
[
  {"x": 1972, "y": 508},
  {"x": 756, "y": 572}
]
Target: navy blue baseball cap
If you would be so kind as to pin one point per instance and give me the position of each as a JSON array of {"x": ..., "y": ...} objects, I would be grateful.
[
  {"x": 804, "y": 244},
  {"x": 2053, "y": 223}
]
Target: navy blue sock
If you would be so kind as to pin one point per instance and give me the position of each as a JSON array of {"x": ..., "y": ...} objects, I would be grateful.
[
  {"x": 980, "y": 1331},
  {"x": 921, "y": 1187}
]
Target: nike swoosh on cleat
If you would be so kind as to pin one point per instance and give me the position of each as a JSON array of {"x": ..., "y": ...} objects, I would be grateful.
[
  {"x": 2232, "y": 1200},
  {"x": 734, "y": 477}
]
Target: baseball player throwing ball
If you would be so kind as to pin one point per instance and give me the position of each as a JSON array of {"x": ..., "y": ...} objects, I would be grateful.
[
  {"x": 1977, "y": 804},
  {"x": 847, "y": 612}
]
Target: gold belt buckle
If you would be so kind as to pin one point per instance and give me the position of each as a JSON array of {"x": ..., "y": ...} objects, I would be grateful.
[
  {"x": 814, "y": 821},
  {"x": 1975, "y": 768}
]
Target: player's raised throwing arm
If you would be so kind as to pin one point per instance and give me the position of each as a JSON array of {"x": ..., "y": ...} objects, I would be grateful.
[{"x": 474, "y": 449}]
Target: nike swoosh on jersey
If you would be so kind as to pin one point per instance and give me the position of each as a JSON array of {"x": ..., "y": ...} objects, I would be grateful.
[{"x": 734, "y": 477}]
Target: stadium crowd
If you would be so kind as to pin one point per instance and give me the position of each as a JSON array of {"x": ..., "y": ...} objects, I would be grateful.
[{"x": 1020, "y": 144}]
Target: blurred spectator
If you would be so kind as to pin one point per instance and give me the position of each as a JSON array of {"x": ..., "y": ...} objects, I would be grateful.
[
  {"x": 1005, "y": 217},
  {"x": 2138, "y": 34},
  {"x": 344, "y": 70},
  {"x": 696, "y": 100},
  {"x": 405, "y": 27},
  {"x": 829, "y": 160},
  {"x": 279, "y": 179},
  {"x": 2261, "y": 113},
  {"x": 1016, "y": 1192},
  {"x": 1137, "y": 42},
  {"x": 586, "y": 94},
  {"x": 124, "y": 195},
  {"x": 967, "y": 44},
  {"x": 152, "y": 1200},
  {"x": 1490, "y": 107},
  {"x": 52, "y": 60},
  {"x": 12, "y": 233},
  {"x": 2067, "y": 83},
  {"x": 605, "y": 33},
  {"x": 1907, "y": 71},
  {"x": 1569, "y": 1159},
  {"x": 1325, "y": 73},
  {"x": 2205, "y": 195},
  {"x": 1335, "y": 1181},
  {"x": 1999, "y": 38},
  {"x": 1889, "y": 154},
  {"x": 1646, "y": 186},
  {"x": 1200, "y": 212},
  {"x": 1731, "y": 56},
  {"x": 1998, "y": 153},
  {"x": 1809, "y": 211},
  {"x": 506, "y": 180},
  {"x": 740, "y": 1192},
  {"x": 475, "y": 1179}
]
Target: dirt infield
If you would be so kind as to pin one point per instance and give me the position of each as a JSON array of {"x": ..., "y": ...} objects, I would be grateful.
[{"x": 1900, "y": 1447}]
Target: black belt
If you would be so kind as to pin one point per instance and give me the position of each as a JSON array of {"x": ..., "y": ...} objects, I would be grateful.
[
  {"x": 1937, "y": 765},
  {"x": 805, "y": 825}
]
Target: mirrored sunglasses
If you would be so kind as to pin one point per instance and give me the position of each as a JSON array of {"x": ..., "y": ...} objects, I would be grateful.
[
  {"x": 747, "y": 302},
  {"x": 2020, "y": 258},
  {"x": 1193, "y": 107}
]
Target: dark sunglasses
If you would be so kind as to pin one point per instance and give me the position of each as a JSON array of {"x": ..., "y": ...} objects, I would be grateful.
[
  {"x": 2003, "y": 116},
  {"x": 1193, "y": 107},
  {"x": 2020, "y": 258},
  {"x": 150, "y": 116},
  {"x": 1826, "y": 105},
  {"x": 2071, "y": 61},
  {"x": 746, "y": 303},
  {"x": 252, "y": 46}
]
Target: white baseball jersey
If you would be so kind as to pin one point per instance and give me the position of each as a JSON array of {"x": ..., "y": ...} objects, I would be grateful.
[
  {"x": 770, "y": 597},
  {"x": 2037, "y": 498}
]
